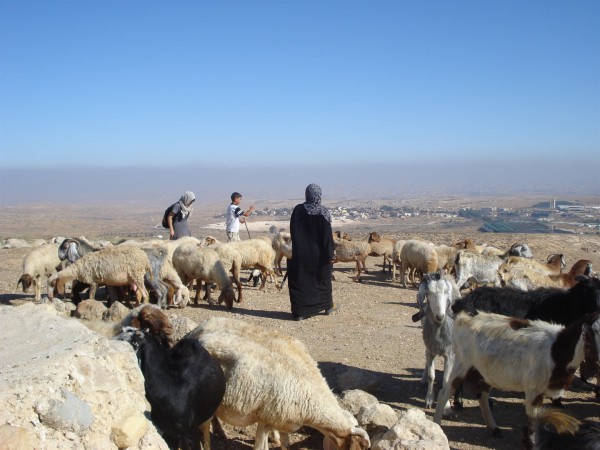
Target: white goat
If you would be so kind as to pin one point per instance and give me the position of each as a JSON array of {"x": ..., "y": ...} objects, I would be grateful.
[
  {"x": 440, "y": 292},
  {"x": 534, "y": 357}
]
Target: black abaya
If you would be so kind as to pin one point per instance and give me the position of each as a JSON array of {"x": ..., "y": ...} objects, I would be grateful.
[{"x": 309, "y": 270}]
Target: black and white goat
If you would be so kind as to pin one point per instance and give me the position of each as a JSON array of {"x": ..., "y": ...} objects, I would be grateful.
[
  {"x": 550, "y": 304},
  {"x": 555, "y": 430},
  {"x": 184, "y": 386},
  {"x": 439, "y": 291},
  {"x": 534, "y": 357}
]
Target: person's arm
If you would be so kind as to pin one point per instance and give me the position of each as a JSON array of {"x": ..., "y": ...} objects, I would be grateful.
[
  {"x": 170, "y": 222},
  {"x": 247, "y": 213}
]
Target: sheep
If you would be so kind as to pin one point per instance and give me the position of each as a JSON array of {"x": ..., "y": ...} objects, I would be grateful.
[
  {"x": 417, "y": 255},
  {"x": 527, "y": 279},
  {"x": 178, "y": 293},
  {"x": 192, "y": 261},
  {"x": 230, "y": 257},
  {"x": 549, "y": 304},
  {"x": 476, "y": 267},
  {"x": 42, "y": 261},
  {"x": 446, "y": 256},
  {"x": 555, "y": 430},
  {"x": 282, "y": 244},
  {"x": 271, "y": 380},
  {"x": 517, "y": 249},
  {"x": 348, "y": 251},
  {"x": 255, "y": 253},
  {"x": 114, "y": 266},
  {"x": 554, "y": 265},
  {"x": 382, "y": 246},
  {"x": 151, "y": 319},
  {"x": 534, "y": 357},
  {"x": 440, "y": 292},
  {"x": 255, "y": 277},
  {"x": 184, "y": 386},
  {"x": 396, "y": 256},
  {"x": 341, "y": 235},
  {"x": 469, "y": 246}
]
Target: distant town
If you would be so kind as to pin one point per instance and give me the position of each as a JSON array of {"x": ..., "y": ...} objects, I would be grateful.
[{"x": 554, "y": 216}]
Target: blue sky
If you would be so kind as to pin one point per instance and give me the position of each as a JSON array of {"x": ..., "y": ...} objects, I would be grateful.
[{"x": 113, "y": 83}]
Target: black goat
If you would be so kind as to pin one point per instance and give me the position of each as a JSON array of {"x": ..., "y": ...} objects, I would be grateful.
[
  {"x": 184, "y": 386},
  {"x": 549, "y": 304},
  {"x": 554, "y": 430}
]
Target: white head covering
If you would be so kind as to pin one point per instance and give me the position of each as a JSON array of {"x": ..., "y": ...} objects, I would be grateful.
[{"x": 185, "y": 202}]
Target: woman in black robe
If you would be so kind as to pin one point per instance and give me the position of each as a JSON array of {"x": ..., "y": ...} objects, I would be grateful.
[{"x": 309, "y": 270}]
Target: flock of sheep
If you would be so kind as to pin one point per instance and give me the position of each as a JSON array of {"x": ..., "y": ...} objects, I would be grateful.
[{"x": 529, "y": 330}]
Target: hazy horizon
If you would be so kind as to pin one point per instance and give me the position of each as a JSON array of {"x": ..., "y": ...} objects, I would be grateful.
[{"x": 160, "y": 186}]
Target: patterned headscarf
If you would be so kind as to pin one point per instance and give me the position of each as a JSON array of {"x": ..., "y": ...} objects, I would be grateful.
[
  {"x": 312, "y": 205},
  {"x": 185, "y": 202}
]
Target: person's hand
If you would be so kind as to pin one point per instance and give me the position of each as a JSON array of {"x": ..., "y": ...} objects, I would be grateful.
[
  {"x": 252, "y": 208},
  {"x": 242, "y": 220},
  {"x": 171, "y": 233}
]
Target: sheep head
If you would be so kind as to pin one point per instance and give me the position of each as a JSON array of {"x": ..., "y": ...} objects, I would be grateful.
[
  {"x": 25, "y": 281},
  {"x": 155, "y": 321},
  {"x": 374, "y": 237},
  {"x": 228, "y": 296},
  {"x": 358, "y": 439}
]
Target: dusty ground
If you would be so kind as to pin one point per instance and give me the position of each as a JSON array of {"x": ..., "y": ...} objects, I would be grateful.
[{"x": 373, "y": 331}]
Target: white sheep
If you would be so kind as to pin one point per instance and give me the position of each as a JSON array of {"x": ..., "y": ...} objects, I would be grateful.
[
  {"x": 527, "y": 279},
  {"x": 271, "y": 380},
  {"x": 554, "y": 264},
  {"x": 41, "y": 262},
  {"x": 396, "y": 256},
  {"x": 348, "y": 251},
  {"x": 179, "y": 293},
  {"x": 114, "y": 266},
  {"x": 418, "y": 255},
  {"x": 381, "y": 246},
  {"x": 230, "y": 257},
  {"x": 192, "y": 261},
  {"x": 282, "y": 244},
  {"x": 256, "y": 253},
  {"x": 446, "y": 256}
]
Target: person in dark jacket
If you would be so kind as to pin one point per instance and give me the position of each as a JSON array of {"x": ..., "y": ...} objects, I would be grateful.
[{"x": 309, "y": 270}]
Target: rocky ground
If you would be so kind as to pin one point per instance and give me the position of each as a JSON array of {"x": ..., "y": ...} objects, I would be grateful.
[{"x": 373, "y": 331}]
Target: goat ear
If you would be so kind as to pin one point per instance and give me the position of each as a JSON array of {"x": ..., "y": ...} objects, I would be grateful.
[{"x": 421, "y": 292}]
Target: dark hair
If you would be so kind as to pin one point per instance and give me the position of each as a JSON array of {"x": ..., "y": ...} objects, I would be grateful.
[{"x": 235, "y": 195}]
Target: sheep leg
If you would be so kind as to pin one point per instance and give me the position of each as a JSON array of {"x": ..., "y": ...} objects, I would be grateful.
[
  {"x": 205, "y": 430},
  {"x": 49, "y": 290},
  {"x": 393, "y": 270},
  {"x": 235, "y": 271},
  {"x": 484, "y": 404},
  {"x": 262, "y": 438},
  {"x": 38, "y": 290},
  {"x": 92, "y": 291},
  {"x": 218, "y": 428},
  {"x": 430, "y": 374},
  {"x": 403, "y": 268},
  {"x": 384, "y": 258}
]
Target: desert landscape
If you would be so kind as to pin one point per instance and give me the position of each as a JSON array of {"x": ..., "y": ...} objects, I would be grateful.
[{"x": 373, "y": 329}]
